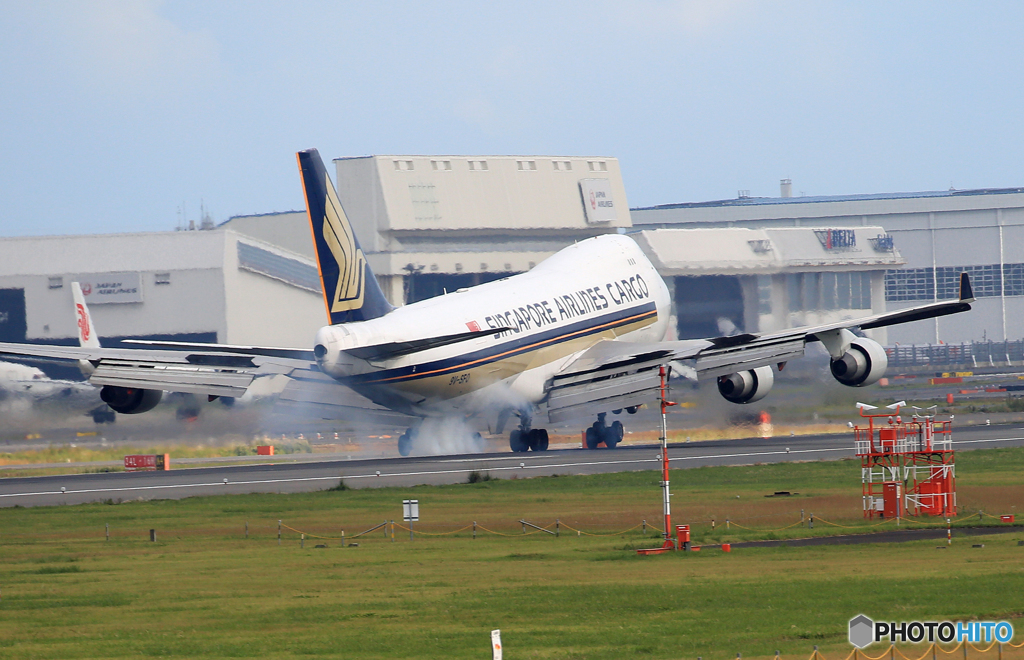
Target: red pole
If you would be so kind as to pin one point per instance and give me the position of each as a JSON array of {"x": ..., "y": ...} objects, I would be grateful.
[{"x": 665, "y": 403}]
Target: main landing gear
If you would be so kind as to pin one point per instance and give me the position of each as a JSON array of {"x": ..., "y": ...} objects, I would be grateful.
[
  {"x": 471, "y": 443},
  {"x": 526, "y": 439},
  {"x": 405, "y": 441},
  {"x": 611, "y": 435}
]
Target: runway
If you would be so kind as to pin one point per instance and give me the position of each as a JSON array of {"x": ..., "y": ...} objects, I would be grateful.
[{"x": 291, "y": 476}]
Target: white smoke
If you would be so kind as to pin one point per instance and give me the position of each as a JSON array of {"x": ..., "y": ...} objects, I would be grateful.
[{"x": 437, "y": 436}]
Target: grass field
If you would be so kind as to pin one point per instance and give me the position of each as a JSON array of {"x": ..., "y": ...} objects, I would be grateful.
[{"x": 205, "y": 590}]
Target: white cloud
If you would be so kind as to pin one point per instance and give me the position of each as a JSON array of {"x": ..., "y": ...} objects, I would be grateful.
[{"x": 124, "y": 49}]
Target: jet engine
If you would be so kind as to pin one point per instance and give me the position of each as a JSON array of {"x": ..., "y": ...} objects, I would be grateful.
[
  {"x": 862, "y": 365},
  {"x": 130, "y": 400},
  {"x": 746, "y": 386}
]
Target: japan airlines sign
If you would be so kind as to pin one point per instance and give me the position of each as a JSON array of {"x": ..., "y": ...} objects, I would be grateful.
[
  {"x": 597, "y": 200},
  {"x": 101, "y": 288}
]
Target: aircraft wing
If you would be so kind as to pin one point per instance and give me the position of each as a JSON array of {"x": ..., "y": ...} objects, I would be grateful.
[
  {"x": 613, "y": 374},
  {"x": 214, "y": 373}
]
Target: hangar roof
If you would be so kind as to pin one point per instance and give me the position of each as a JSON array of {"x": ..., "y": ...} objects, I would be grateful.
[
  {"x": 737, "y": 251},
  {"x": 753, "y": 209}
]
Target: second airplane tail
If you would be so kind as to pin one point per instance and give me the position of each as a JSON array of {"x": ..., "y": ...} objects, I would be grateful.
[
  {"x": 86, "y": 332},
  {"x": 351, "y": 292}
]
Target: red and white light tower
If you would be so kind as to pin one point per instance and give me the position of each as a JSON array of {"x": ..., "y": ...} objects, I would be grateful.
[{"x": 907, "y": 468}]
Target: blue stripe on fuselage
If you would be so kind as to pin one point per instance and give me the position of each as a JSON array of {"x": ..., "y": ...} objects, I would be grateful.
[{"x": 508, "y": 349}]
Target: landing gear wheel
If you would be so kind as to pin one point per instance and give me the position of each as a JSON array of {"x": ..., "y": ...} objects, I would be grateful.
[
  {"x": 537, "y": 439},
  {"x": 613, "y": 434},
  {"x": 592, "y": 438},
  {"x": 405, "y": 444},
  {"x": 517, "y": 442}
]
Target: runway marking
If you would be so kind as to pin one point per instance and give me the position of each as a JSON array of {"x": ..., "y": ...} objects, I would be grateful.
[{"x": 457, "y": 471}]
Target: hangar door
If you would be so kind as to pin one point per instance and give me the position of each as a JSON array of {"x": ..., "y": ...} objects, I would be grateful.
[
  {"x": 12, "y": 315},
  {"x": 708, "y": 306}
]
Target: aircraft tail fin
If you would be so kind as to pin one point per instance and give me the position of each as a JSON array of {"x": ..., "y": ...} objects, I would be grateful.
[
  {"x": 351, "y": 292},
  {"x": 86, "y": 332}
]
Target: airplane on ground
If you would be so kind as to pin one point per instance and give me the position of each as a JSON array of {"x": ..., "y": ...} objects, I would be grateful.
[
  {"x": 581, "y": 334},
  {"x": 32, "y": 383}
]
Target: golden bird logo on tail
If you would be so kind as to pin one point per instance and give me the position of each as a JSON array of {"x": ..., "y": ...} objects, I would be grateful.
[{"x": 348, "y": 294}]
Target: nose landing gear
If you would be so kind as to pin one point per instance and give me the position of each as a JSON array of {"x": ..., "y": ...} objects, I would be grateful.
[{"x": 600, "y": 432}]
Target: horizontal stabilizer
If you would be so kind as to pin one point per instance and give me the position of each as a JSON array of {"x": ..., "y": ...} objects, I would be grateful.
[
  {"x": 399, "y": 348},
  {"x": 211, "y": 382},
  {"x": 266, "y": 351}
]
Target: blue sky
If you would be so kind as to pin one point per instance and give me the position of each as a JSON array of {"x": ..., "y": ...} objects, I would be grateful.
[{"x": 116, "y": 115}]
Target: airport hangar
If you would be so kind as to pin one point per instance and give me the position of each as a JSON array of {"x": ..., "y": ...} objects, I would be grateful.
[
  {"x": 433, "y": 224},
  {"x": 940, "y": 234}
]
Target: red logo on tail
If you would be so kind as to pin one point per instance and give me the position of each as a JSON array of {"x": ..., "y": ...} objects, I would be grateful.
[{"x": 83, "y": 322}]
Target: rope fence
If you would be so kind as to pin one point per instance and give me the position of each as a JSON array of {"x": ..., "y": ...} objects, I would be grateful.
[
  {"x": 930, "y": 651},
  {"x": 716, "y": 529},
  {"x": 708, "y": 531},
  {"x": 891, "y": 653}
]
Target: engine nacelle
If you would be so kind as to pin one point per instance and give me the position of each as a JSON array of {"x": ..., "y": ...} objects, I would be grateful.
[
  {"x": 862, "y": 365},
  {"x": 747, "y": 386},
  {"x": 130, "y": 400}
]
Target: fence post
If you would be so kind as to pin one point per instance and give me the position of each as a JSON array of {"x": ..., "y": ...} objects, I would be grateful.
[
  {"x": 108, "y": 531},
  {"x": 524, "y": 526},
  {"x": 343, "y": 538},
  {"x": 645, "y": 527},
  {"x": 474, "y": 530},
  {"x": 557, "y": 522},
  {"x": 811, "y": 521},
  {"x": 246, "y": 529},
  {"x": 302, "y": 540},
  {"x": 727, "y": 524}
]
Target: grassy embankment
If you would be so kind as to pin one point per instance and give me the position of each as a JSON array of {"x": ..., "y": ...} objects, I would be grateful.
[{"x": 204, "y": 590}]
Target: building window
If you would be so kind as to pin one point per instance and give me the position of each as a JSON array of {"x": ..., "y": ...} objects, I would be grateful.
[
  {"x": 478, "y": 165},
  {"x": 562, "y": 165},
  {"x": 403, "y": 165},
  {"x": 526, "y": 165},
  {"x": 828, "y": 291},
  {"x": 597, "y": 165},
  {"x": 162, "y": 278},
  {"x": 764, "y": 294},
  {"x": 943, "y": 283},
  {"x": 56, "y": 282},
  {"x": 441, "y": 165}
]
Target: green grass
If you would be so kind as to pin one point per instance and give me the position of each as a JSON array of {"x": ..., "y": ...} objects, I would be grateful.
[{"x": 204, "y": 590}]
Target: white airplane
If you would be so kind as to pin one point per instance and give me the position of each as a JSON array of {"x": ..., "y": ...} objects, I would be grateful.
[
  {"x": 579, "y": 335},
  {"x": 33, "y": 383}
]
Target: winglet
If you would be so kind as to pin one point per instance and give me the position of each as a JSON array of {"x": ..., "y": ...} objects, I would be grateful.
[{"x": 966, "y": 293}]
